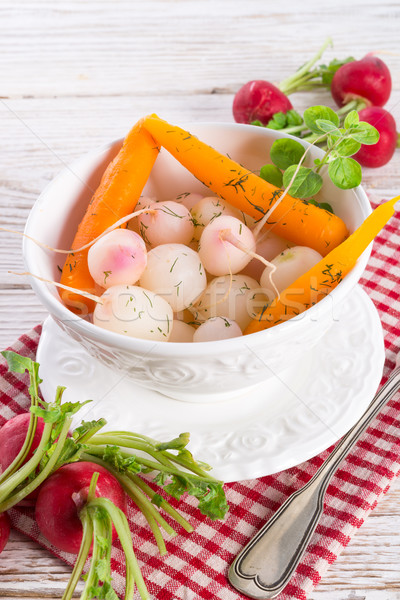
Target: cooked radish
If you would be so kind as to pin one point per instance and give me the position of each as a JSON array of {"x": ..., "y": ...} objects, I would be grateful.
[
  {"x": 208, "y": 209},
  {"x": 176, "y": 273},
  {"x": 143, "y": 202},
  {"x": 290, "y": 264},
  {"x": 217, "y": 328},
  {"x": 380, "y": 153},
  {"x": 224, "y": 246},
  {"x": 268, "y": 246},
  {"x": 181, "y": 332},
  {"x": 367, "y": 79},
  {"x": 64, "y": 494},
  {"x": 135, "y": 312},
  {"x": 5, "y": 529},
  {"x": 259, "y": 100},
  {"x": 234, "y": 297},
  {"x": 119, "y": 257},
  {"x": 170, "y": 222}
]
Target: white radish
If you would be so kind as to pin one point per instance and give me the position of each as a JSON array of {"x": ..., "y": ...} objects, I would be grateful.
[
  {"x": 143, "y": 202},
  {"x": 135, "y": 312},
  {"x": 181, "y": 332},
  {"x": 170, "y": 222},
  {"x": 223, "y": 246},
  {"x": 176, "y": 273},
  {"x": 217, "y": 328},
  {"x": 208, "y": 209},
  {"x": 268, "y": 246},
  {"x": 237, "y": 297},
  {"x": 289, "y": 265},
  {"x": 116, "y": 258}
]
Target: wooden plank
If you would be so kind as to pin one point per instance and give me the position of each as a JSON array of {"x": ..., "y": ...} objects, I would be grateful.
[{"x": 86, "y": 49}]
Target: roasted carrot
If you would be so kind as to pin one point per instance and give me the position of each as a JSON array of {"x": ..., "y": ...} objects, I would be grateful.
[
  {"x": 314, "y": 285},
  {"x": 117, "y": 195},
  {"x": 302, "y": 223}
]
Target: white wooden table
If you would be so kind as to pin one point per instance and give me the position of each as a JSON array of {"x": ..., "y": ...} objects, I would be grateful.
[{"x": 75, "y": 75}]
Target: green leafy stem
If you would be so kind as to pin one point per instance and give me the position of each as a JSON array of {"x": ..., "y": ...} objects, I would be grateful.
[
  {"x": 343, "y": 140},
  {"x": 130, "y": 457},
  {"x": 309, "y": 76}
]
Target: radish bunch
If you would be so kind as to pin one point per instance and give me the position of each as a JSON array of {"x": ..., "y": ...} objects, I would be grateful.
[
  {"x": 85, "y": 480},
  {"x": 364, "y": 85}
]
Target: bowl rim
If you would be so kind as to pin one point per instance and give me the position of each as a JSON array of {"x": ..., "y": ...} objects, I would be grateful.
[{"x": 89, "y": 330}]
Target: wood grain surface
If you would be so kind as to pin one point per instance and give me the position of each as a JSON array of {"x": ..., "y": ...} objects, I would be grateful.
[{"x": 75, "y": 75}]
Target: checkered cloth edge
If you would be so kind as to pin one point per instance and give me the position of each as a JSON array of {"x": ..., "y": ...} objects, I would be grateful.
[{"x": 196, "y": 565}]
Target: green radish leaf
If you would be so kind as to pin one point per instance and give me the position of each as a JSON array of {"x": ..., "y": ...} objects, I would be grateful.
[
  {"x": 213, "y": 504},
  {"x": 325, "y": 125},
  {"x": 306, "y": 183},
  {"x": 113, "y": 456},
  {"x": 278, "y": 121},
  {"x": 329, "y": 70},
  {"x": 323, "y": 205},
  {"x": 51, "y": 415},
  {"x": 345, "y": 173},
  {"x": 351, "y": 119},
  {"x": 293, "y": 118},
  {"x": 157, "y": 500},
  {"x": 365, "y": 133},
  {"x": 272, "y": 174},
  {"x": 347, "y": 147},
  {"x": 286, "y": 152},
  {"x": 20, "y": 364},
  {"x": 177, "y": 487},
  {"x": 257, "y": 123},
  {"x": 314, "y": 113}
]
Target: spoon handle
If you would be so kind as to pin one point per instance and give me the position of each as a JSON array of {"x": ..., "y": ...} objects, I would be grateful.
[{"x": 264, "y": 567}]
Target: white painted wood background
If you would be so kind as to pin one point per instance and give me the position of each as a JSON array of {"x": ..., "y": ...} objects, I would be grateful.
[{"x": 75, "y": 74}]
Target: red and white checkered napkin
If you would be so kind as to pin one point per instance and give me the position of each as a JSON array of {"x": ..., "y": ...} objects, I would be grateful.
[{"x": 197, "y": 564}]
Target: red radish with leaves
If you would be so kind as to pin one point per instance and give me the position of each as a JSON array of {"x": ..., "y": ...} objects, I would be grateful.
[
  {"x": 367, "y": 79},
  {"x": 62, "y": 497},
  {"x": 259, "y": 100},
  {"x": 5, "y": 528},
  {"x": 380, "y": 153},
  {"x": 81, "y": 509}
]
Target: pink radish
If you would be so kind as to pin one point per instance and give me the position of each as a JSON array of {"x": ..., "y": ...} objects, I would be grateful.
[
  {"x": 5, "y": 528},
  {"x": 64, "y": 494},
  {"x": 269, "y": 245},
  {"x": 380, "y": 153},
  {"x": 259, "y": 100},
  {"x": 225, "y": 246},
  {"x": 12, "y": 438},
  {"x": 170, "y": 223},
  {"x": 119, "y": 257},
  {"x": 367, "y": 79}
]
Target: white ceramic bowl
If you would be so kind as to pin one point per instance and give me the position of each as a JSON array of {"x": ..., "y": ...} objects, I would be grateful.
[{"x": 195, "y": 372}]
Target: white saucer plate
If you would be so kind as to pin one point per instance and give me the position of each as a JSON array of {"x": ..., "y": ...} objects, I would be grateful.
[{"x": 274, "y": 426}]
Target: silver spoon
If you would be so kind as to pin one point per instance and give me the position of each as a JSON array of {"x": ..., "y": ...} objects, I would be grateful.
[{"x": 264, "y": 567}]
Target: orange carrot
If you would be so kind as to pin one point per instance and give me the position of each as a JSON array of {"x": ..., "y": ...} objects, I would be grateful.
[
  {"x": 314, "y": 285},
  {"x": 117, "y": 195},
  {"x": 302, "y": 223}
]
